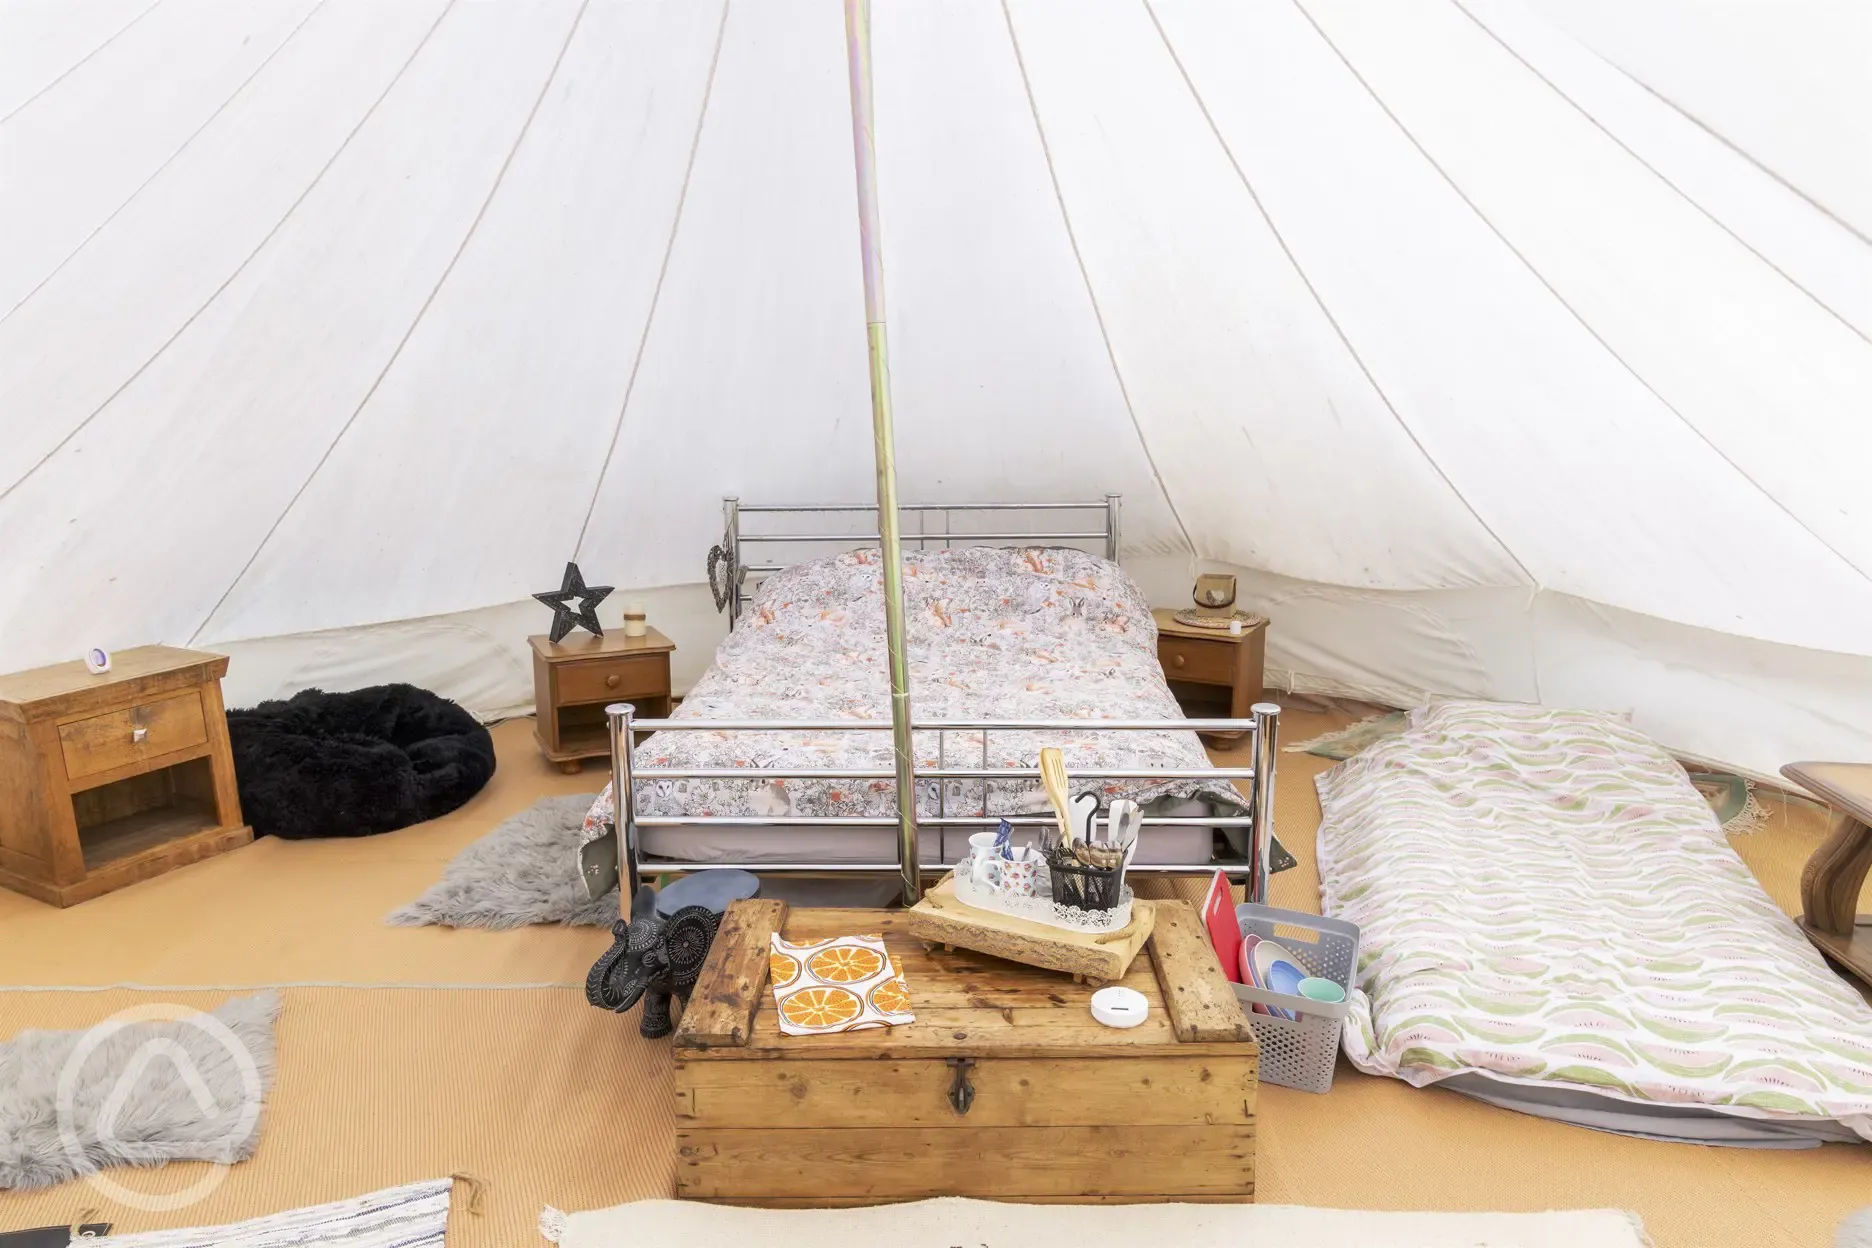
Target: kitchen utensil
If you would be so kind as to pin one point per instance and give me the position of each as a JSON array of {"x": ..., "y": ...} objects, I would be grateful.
[
  {"x": 1122, "y": 824},
  {"x": 1276, "y": 970},
  {"x": 1082, "y": 884},
  {"x": 1004, "y": 837},
  {"x": 1246, "y": 963},
  {"x": 1120, "y": 1007},
  {"x": 1084, "y": 806},
  {"x": 1053, "y": 777},
  {"x": 1314, "y": 988}
]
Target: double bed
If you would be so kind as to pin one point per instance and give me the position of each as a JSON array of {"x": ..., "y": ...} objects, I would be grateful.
[{"x": 780, "y": 758}]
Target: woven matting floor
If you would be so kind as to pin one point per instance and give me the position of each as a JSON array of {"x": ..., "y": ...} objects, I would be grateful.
[{"x": 410, "y": 1053}]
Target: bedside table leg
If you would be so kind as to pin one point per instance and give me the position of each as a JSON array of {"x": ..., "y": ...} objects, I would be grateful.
[{"x": 572, "y": 766}]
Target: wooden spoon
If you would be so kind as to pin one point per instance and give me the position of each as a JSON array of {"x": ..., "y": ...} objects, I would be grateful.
[{"x": 1053, "y": 776}]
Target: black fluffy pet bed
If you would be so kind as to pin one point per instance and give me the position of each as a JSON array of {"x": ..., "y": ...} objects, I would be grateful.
[{"x": 355, "y": 764}]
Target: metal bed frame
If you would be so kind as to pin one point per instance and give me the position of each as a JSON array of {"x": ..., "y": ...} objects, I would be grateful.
[{"x": 625, "y": 728}]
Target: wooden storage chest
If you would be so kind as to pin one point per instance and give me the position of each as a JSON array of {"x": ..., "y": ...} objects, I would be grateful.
[{"x": 1004, "y": 1087}]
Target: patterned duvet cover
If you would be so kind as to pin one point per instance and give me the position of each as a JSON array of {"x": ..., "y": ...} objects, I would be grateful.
[
  {"x": 1545, "y": 900},
  {"x": 1036, "y": 634}
]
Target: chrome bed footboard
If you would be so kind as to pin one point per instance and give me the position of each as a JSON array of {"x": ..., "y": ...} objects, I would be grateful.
[{"x": 625, "y": 727}]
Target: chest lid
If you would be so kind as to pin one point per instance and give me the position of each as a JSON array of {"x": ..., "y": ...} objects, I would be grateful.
[{"x": 967, "y": 1005}]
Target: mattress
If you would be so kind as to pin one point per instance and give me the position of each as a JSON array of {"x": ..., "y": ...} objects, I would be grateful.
[
  {"x": 1553, "y": 921},
  {"x": 1035, "y": 634},
  {"x": 1187, "y": 845}
]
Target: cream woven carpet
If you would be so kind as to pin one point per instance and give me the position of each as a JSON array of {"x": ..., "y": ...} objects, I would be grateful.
[
  {"x": 948, "y": 1222},
  {"x": 407, "y": 1053}
]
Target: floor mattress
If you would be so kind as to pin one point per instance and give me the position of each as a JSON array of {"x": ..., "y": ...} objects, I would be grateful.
[{"x": 1553, "y": 921}]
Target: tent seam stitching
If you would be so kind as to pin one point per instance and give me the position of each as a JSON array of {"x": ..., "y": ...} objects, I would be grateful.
[
  {"x": 656, "y": 293},
  {"x": 1739, "y": 150},
  {"x": 1462, "y": 7},
  {"x": 240, "y": 268},
  {"x": 1085, "y": 276},
  {"x": 1565, "y": 303},
  {"x": 416, "y": 321},
  {"x": 168, "y": 160},
  {"x": 78, "y": 64},
  {"x": 1319, "y": 301}
]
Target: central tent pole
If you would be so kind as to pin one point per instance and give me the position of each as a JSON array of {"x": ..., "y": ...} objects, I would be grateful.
[{"x": 858, "y": 49}]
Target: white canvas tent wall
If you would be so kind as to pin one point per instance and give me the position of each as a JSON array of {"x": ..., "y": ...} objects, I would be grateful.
[{"x": 1507, "y": 350}]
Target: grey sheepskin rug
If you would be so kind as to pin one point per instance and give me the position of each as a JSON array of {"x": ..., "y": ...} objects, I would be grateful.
[
  {"x": 1855, "y": 1231},
  {"x": 525, "y": 871},
  {"x": 135, "y": 1093}
]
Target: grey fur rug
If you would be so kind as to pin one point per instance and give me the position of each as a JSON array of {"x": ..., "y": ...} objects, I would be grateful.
[
  {"x": 1855, "y": 1231},
  {"x": 525, "y": 871},
  {"x": 135, "y": 1093}
]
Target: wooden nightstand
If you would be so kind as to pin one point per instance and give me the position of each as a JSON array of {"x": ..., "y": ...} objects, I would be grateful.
[
  {"x": 573, "y": 681},
  {"x": 1210, "y": 659},
  {"x": 112, "y": 778}
]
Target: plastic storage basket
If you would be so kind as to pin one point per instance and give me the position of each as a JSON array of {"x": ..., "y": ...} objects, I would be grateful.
[{"x": 1300, "y": 1052}]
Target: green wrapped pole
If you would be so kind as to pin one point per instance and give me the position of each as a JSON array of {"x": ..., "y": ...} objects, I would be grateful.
[{"x": 870, "y": 245}]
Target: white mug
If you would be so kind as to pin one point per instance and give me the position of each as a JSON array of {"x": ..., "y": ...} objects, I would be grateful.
[{"x": 985, "y": 852}]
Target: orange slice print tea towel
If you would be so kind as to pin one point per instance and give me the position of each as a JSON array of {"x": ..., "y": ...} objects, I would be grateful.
[{"x": 842, "y": 983}]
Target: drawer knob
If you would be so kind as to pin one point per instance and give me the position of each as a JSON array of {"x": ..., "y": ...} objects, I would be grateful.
[
  {"x": 611, "y": 681},
  {"x": 1176, "y": 660},
  {"x": 139, "y": 735}
]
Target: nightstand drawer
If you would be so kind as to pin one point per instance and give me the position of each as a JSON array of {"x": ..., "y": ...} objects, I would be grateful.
[
  {"x": 121, "y": 738},
  {"x": 612, "y": 680},
  {"x": 1205, "y": 662}
]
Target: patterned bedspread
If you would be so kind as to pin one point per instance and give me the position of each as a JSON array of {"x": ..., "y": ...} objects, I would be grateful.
[
  {"x": 1545, "y": 899},
  {"x": 1037, "y": 634}
]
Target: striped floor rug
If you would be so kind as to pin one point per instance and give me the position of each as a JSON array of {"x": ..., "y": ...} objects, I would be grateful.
[{"x": 414, "y": 1215}]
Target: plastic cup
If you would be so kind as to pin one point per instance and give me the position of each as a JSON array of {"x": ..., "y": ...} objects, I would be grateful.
[{"x": 1314, "y": 988}]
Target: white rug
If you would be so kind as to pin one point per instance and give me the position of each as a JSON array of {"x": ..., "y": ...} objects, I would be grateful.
[{"x": 949, "y": 1221}]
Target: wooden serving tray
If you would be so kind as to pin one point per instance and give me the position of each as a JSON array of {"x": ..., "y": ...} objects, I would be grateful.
[{"x": 941, "y": 919}]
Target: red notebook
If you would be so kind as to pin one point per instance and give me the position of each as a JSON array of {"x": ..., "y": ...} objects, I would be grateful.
[{"x": 1218, "y": 915}]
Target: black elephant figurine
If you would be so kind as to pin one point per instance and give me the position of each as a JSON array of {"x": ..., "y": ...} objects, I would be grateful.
[{"x": 654, "y": 958}]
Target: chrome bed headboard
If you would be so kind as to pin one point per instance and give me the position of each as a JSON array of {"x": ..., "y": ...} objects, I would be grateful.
[{"x": 843, "y": 524}]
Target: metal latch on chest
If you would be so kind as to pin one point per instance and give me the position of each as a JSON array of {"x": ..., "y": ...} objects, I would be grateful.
[{"x": 961, "y": 1091}]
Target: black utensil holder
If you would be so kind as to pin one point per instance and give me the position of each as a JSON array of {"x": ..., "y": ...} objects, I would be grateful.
[{"x": 1084, "y": 887}]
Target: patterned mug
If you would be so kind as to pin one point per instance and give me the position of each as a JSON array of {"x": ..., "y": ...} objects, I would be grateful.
[{"x": 1011, "y": 879}]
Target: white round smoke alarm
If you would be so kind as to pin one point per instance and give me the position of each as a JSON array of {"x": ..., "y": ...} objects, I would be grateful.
[{"x": 1120, "y": 1007}]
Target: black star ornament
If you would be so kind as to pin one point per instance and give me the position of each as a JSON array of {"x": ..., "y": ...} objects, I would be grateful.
[{"x": 564, "y": 614}]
